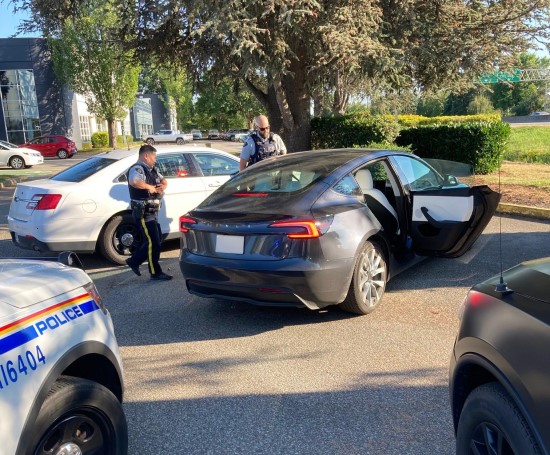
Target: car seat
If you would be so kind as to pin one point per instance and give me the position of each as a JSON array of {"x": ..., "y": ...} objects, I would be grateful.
[{"x": 377, "y": 202}]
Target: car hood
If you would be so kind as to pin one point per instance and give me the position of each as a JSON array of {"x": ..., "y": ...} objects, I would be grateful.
[
  {"x": 530, "y": 279},
  {"x": 24, "y": 149},
  {"x": 22, "y": 282}
]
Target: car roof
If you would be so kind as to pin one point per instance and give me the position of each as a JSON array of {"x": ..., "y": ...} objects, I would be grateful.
[{"x": 120, "y": 154}]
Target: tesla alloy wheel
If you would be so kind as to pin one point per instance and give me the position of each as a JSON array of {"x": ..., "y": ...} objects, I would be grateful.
[
  {"x": 80, "y": 417},
  {"x": 491, "y": 424},
  {"x": 368, "y": 282}
]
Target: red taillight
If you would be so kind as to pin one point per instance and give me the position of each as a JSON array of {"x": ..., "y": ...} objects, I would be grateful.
[
  {"x": 185, "y": 220},
  {"x": 44, "y": 202},
  {"x": 307, "y": 229}
]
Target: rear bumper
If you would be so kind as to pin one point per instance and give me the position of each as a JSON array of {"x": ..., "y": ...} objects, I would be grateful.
[
  {"x": 28, "y": 242},
  {"x": 292, "y": 282}
]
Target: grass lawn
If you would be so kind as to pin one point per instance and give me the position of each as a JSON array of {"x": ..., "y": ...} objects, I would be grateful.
[{"x": 529, "y": 144}]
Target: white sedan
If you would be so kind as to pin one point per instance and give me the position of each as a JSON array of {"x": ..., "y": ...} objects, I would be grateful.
[
  {"x": 87, "y": 206},
  {"x": 61, "y": 374},
  {"x": 18, "y": 157}
]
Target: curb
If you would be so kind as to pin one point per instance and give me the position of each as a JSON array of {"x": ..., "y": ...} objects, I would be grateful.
[
  {"x": 524, "y": 210},
  {"x": 507, "y": 209}
]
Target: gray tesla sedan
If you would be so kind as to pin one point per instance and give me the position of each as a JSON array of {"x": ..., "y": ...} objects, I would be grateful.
[
  {"x": 500, "y": 366},
  {"x": 327, "y": 227}
]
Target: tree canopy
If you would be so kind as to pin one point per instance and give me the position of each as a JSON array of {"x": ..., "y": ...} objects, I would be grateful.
[
  {"x": 289, "y": 51},
  {"x": 89, "y": 59}
]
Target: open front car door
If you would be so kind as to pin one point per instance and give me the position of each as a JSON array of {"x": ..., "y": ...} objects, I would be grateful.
[{"x": 447, "y": 217}]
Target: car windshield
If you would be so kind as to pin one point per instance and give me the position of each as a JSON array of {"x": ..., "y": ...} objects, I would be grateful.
[
  {"x": 8, "y": 144},
  {"x": 83, "y": 170}
]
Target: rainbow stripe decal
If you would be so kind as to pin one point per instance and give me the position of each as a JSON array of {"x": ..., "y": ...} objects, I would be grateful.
[{"x": 32, "y": 326}]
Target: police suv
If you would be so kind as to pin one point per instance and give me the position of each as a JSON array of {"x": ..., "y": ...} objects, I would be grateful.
[{"x": 61, "y": 382}]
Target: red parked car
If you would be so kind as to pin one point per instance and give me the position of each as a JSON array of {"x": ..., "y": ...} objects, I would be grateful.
[{"x": 52, "y": 145}]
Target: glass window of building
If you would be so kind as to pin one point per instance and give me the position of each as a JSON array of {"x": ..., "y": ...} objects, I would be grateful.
[
  {"x": 85, "y": 133},
  {"x": 19, "y": 105},
  {"x": 143, "y": 118}
]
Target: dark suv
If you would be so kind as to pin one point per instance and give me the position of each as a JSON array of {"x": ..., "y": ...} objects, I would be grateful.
[{"x": 500, "y": 367}]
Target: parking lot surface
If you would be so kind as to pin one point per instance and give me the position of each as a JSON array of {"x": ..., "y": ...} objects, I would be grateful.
[{"x": 215, "y": 377}]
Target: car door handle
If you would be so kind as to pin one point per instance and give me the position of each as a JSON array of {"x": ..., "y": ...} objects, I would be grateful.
[
  {"x": 214, "y": 185},
  {"x": 434, "y": 222}
]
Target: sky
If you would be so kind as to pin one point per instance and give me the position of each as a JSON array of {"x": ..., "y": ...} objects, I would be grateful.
[{"x": 9, "y": 21}]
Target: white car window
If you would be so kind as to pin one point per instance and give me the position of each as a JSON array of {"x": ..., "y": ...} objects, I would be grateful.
[
  {"x": 173, "y": 166},
  {"x": 214, "y": 164},
  {"x": 419, "y": 176}
]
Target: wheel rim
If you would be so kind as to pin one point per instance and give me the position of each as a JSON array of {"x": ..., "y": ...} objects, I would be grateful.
[
  {"x": 126, "y": 238},
  {"x": 17, "y": 163},
  {"x": 84, "y": 432},
  {"x": 62, "y": 154},
  {"x": 150, "y": 141},
  {"x": 372, "y": 277},
  {"x": 488, "y": 439},
  {"x": 179, "y": 141}
]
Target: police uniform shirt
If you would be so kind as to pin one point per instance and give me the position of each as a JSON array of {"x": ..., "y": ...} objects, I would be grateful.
[
  {"x": 136, "y": 173},
  {"x": 249, "y": 148}
]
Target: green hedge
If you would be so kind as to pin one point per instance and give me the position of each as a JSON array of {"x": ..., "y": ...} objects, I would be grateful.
[
  {"x": 358, "y": 129},
  {"x": 86, "y": 146},
  {"x": 100, "y": 139},
  {"x": 480, "y": 144},
  {"x": 409, "y": 120},
  {"x": 120, "y": 140}
]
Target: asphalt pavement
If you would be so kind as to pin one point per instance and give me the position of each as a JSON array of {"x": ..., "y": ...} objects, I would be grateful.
[{"x": 205, "y": 376}]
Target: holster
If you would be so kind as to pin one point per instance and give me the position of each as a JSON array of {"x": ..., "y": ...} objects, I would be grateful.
[{"x": 138, "y": 209}]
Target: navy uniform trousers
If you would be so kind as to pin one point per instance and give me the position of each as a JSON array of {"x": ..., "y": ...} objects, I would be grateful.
[{"x": 149, "y": 248}]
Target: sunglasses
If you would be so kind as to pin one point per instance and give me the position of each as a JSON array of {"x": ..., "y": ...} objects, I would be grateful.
[{"x": 263, "y": 129}]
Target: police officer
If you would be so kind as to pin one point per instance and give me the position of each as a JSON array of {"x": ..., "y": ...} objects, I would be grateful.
[
  {"x": 261, "y": 144},
  {"x": 146, "y": 186}
]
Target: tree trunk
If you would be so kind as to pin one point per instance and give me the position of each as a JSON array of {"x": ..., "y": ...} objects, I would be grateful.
[{"x": 111, "y": 128}]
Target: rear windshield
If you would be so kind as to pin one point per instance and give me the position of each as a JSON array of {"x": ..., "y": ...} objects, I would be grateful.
[
  {"x": 83, "y": 170},
  {"x": 277, "y": 177}
]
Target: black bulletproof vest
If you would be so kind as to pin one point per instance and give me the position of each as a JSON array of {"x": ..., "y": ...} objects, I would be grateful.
[
  {"x": 151, "y": 177},
  {"x": 264, "y": 149}
]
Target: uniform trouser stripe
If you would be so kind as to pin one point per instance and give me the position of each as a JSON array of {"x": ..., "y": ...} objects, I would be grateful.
[{"x": 149, "y": 246}]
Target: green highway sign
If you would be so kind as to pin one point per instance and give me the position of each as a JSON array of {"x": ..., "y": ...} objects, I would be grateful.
[{"x": 500, "y": 76}]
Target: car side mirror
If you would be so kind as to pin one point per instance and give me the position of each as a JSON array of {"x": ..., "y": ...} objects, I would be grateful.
[{"x": 450, "y": 180}]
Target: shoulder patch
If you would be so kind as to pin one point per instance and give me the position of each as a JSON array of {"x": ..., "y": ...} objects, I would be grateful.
[{"x": 139, "y": 169}]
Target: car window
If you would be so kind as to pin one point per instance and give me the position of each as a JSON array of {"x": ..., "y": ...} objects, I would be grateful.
[
  {"x": 83, "y": 170},
  {"x": 348, "y": 186},
  {"x": 418, "y": 174},
  {"x": 173, "y": 166},
  {"x": 52, "y": 139},
  {"x": 214, "y": 164}
]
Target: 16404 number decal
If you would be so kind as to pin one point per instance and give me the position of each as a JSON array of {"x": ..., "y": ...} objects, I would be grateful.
[{"x": 27, "y": 362}]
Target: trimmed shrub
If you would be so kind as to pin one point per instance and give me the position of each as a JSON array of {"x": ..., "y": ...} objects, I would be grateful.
[
  {"x": 100, "y": 139},
  {"x": 480, "y": 144},
  {"x": 409, "y": 120},
  {"x": 358, "y": 129},
  {"x": 120, "y": 140},
  {"x": 86, "y": 146}
]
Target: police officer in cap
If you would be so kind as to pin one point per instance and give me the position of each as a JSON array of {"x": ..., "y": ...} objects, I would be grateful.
[
  {"x": 261, "y": 144},
  {"x": 146, "y": 186}
]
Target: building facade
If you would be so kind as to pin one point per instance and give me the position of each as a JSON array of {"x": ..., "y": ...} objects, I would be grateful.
[{"x": 34, "y": 103}]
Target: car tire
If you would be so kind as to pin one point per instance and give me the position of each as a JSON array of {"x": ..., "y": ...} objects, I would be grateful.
[
  {"x": 62, "y": 154},
  {"x": 16, "y": 162},
  {"x": 80, "y": 414},
  {"x": 150, "y": 141},
  {"x": 489, "y": 413},
  {"x": 368, "y": 282},
  {"x": 180, "y": 141},
  {"x": 119, "y": 238}
]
